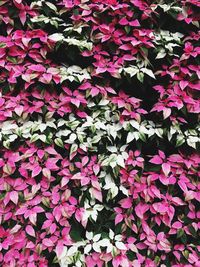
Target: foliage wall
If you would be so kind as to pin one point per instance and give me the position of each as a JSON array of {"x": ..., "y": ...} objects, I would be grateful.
[{"x": 99, "y": 133}]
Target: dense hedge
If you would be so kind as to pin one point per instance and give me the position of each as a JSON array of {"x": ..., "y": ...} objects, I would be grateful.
[{"x": 99, "y": 133}]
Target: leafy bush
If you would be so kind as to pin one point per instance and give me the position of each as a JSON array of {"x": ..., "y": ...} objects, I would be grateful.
[{"x": 99, "y": 133}]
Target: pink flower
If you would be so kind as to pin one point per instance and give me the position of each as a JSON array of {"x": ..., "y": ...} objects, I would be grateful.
[{"x": 158, "y": 242}]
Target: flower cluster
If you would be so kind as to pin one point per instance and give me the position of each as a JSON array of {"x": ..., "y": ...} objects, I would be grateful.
[{"x": 99, "y": 133}]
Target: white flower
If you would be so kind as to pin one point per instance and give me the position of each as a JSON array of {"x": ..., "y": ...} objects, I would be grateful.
[
  {"x": 110, "y": 185},
  {"x": 93, "y": 242},
  {"x": 91, "y": 210},
  {"x": 72, "y": 255},
  {"x": 113, "y": 243}
]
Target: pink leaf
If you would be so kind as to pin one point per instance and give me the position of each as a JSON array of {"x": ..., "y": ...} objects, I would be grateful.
[
  {"x": 189, "y": 195},
  {"x": 75, "y": 101},
  {"x": 126, "y": 203},
  {"x": 128, "y": 57},
  {"x": 140, "y": 210},
  {"x": 47, "y": 224},
  {"x": 59, "y": 248},
  {"x": 94, "y": 91},
  {"x": 164, "y": 180},
  {"x": 19, "y": 110},
  {"x": 156, "y": 160},
  {"x": 85, "y": 160},
  {"x": 177, "y": 225},
  {"x": 40, "y": 153},
  {"x": 182, "y": 185},
  {"x": 97, "y": 194},
  {"x": 183, "y": 84},
  {"x": 85, "y": 180},
  {"x": 135, "y": 23},
  {"x": 126, "y": 47},
  {"x": 166, "y": 113},
  {"x": 52, "y": 228},
  {"x": 47, "y": 242},
  {"x": 118, "y": 218},
  {"x": 36, "y": 171},
  {"x": 82, "y": 114},
  {"x": 123, "y": 21},
  {"x": 14, "y": 197},
  {"x": 77, "y": 176},
  {"x": 64, "y": 181},
  {"x": 30, "y": 230},
  {"x": 2, "y": 101},
  {"x": 21, "y": 211},
  {"x": 166, "y": 168},
  {"x": 96, "y": 168},
  {"x": 47, "y": 77},
  {"x": 33, "y": 218},
  {"x": 22, "y": 16},
  {"x": 47, "y": 173},
  {"x": 37, "y": 68}
]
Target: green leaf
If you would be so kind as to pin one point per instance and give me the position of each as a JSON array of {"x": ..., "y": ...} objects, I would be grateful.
[
  {"x": 142, "y": 136},
  {"x": 73, "y": 148},
  {"x": 186, "y": 254},
  {"x": 12, "y": 59},
  {"x": 127, "y": 29},
  {"x": 59, "y": 142},
  {"x": 34, "y": 137},
  {"x": 192, "y": 231},
  {"x": 140, "y": 77},
  {"x": 76, "y": 12},
  {"x": 157, "y": 259},
  {"x": 180, "y": 141},
  {"x": 180, "y": 232},
  {"x": 184, "y": 238},
  {"x": 75, "y": 234},
  {"x": 2, "y": 45}
]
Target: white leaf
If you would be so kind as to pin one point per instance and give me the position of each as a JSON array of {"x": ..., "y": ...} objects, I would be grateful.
[
  {"x": 104, "y": 242},
  {"x": 112, "y": 149},
  {"x": 114, "y": 190},
  {"x": 124, "y": 190},
  {"x": 96, "y": 237},
  {"x": 71, "y": 251},
  {"x": 131, "y": 71},
  {"x": 111, "y": 234},
  {"x": 120, "y": 161},
  {"x": 94, "y": 216},
  {"x": 42, "y": 138},
  {"x": 51, "y": 6},
  {"x": 161, "y": 54},
  {"x": 166, "y": 113},
  {"x": 120, "y": 245},
  {"x": 130, "y": 137},
  {"x": 148, "y": 72},
  {"x": 87, "y": 248},
  {"x": 56, "y": 37},
  {"x": 109, "y": 248},
  {"x": 72, "y": 137},
  {"x": 89, "y": 235},
  {"x": 103, "y": 102},
  {"x": 96, "y": 247},
  {"x": 12, "y": 137},
  {"x": 118, "y": 237},
  {"x": 135, "y": 124}
]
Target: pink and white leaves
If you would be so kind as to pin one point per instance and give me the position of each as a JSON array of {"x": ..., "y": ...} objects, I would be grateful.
[{"x": 53, "y": 188}]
